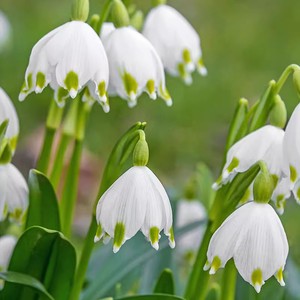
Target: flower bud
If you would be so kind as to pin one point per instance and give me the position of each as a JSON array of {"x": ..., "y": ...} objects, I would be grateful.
[
  {"x": 263, "y": 186},
  {"x": 278, "y": 114},
  {"x": 158, "y": 2},
  {"x": 296, "y": 79},
  {"x": 141, "y": 151},
  {"x": 80, "y": 10},
  {"x": 137, "y": 20},
  {"x": 119, "y": 14}
]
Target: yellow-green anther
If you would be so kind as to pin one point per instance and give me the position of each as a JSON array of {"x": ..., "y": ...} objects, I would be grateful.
[
  {"x": 186, "y": 56},
  {"x": 293, "y": 174},
  {"x": 119, "y": 235},
  {"x": 72, "y": 81},
  {"x": 102, "y": 88},
  {"x": 164, "y": 93},
  {"x": 80, "y": 10},
  {"x": 150, "y": 86},
  {"x": 130, "y": 84},
  {"x": 278, "y": 114},
  {"x": 215, "y": 265},
  {"x": 279, "y": 277},
  {"x": 296, "y": 79},
  {"x": 137, "y": 20},
  {"x": 40, "y": 80},
  {"x": 263, "y": 186},
  {"x": 119, "y": 14},
  {"x": 234, "y": 163},
  {"x": 257, "y": 277},
  {"x": 141, "y": 151},
  {"x": 154, "y": 235}
]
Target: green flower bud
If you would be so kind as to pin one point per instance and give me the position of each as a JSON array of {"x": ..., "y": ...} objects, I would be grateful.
[
  {"x": 137, "y": 20},
  {"x": 263, "y": 186},
  {"x": 278, "y": 114},
  {"x": 94, "y": 22},
  {"x": 158, "y": 2},
  {"x": 141, "y": 151},
  {"x": 80, "y": 10},
  {"x": 119, "y": 14},
  {"x": 296, "y": 79}
]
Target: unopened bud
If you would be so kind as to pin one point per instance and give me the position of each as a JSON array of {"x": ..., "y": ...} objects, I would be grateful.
[
  {"x": 119, "y": 14},
  {"x": 137, "y": 20},
  {"x": 278, "y": 114},
  {"x": 80, "y": 10},
  {"x": 158, "y": 2},
  {"x": 141, "y": 151}
]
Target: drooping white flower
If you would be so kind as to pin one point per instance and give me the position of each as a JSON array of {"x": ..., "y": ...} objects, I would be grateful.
[
  {"x": 68, "y": 58},
  {"x": 255, "y": 238},
  {"x": 175, "y": 40},
  {"x": 187, "y": 212},
  {"x": 291, "y": 146},
  {"x": 134, "y": 66},
  {"x": 8, "y": 112},
  {"x": 14, "y": 193},
  {"x": 5, "y": 31},
  {"x": 266, "y": 144},
  {"x": 106, "y": 29},
  {"x": 7, "y": 245},
  {"x": 281, "y": 193},
  {"x": 136, "y": 201}
]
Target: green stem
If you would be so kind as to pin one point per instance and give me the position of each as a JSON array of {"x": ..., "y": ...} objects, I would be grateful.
[
  {"x": 228, "y": 282},
  {"x": 59, "y": 159},
  {"x": 52, "y": 123},
  {"x": 104, "y": 14},
  {"x": 196, "y": 288},
  {"x": 284, "y": 76}
]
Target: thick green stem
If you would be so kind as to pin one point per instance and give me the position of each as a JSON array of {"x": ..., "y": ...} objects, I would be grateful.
[
  {"x": 228, "y": 282},
  {"x": 284, "y": 76},
  {"x": 196, "y": 288}
]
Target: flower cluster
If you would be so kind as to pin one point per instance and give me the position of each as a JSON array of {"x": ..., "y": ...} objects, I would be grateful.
[{"x": 121, "y": 61}]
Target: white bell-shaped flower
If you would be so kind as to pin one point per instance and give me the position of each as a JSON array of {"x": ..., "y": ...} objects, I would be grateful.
[
  {"x": 291, "y": 146},
  {"x": 7, "y": 245},
  {"x": 266, "y": 144},
  {"x": 255, "y": 238},
  {"x": 106, "y": 29},
  {"x": 5, "y": 31},
  {"x": 8, "y": 112},
  {"x": 68, "y": 58},
  {"x": 14, "y": 193},
  {"x": 136, "y": 201},
  {"x": 175, "y": 40},
  {"x": 134, "y": 66}
]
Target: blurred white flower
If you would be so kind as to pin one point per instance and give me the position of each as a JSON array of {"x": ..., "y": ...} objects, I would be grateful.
[
  {"x": 136, "y": 201},
  {"x": 68, "y": 58},
  {"x": 106, "y": 29},
  {"x": 281, "y": 193},
  {"x": 291, "y": 146},
  {"x": 5, "y": 31},
  {"x": 255, "y": 238},
  {"x": 134, "y": 66},
  {"x": 14, "y": 193},
  {"x": 264, "y": 144},
  {"x": 187, "y": 212},
  {"x": 175, "y": 40},
  {"x": 8, "y": 112}
]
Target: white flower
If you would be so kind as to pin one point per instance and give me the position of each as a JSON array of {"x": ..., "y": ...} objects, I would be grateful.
[
  {"x": 106, "y": 29},
  {"x": 134, "y": 66},
  {"x": 5, "y": 31},
  {"x": 136, "y": 201},
  {"x": 175, "y": 40},
  {"x": 8, "y": 112},
  {"x": 264, "y": 144},
  {"x": 14, "y": 193},
  {"x": 7, "y": 245},
  {"x": 187, "y": 212},
  {"x": 68, "y": 58},
  {"x": 255, "y": 238},
  {"x": 291, "y": 146},
  {"x": 281, "y": 193}
]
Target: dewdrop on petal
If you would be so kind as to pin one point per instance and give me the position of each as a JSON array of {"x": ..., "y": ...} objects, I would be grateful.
[
  {"x": 263, "y": 144},
  {"x": 14, "y": 193},
  {"x": 135, "y": 201},
  {"x": 176, "y": 41},
  {"x": 68, "y": 58},
  {"x": 134, "y": 66},
  {"x": 8, "y": 112}
]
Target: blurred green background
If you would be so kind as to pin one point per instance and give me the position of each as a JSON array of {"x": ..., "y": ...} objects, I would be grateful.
[{"x": 245, "y": 45}]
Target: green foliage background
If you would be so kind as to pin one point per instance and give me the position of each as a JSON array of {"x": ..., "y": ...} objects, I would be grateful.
[{"x": 245, "y": 44}]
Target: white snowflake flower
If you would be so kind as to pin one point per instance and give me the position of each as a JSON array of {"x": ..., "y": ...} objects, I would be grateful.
[
  {"x": 136, "y": 201},
  {"x": 68, "y": 58},
  {"x": 255, "y": 238},
  {"x": 134, "y": 66},
  {"x": 175, "y": 40}
]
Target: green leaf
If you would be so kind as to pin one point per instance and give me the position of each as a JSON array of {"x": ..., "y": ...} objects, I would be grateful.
[
  {"x": 165, "y": 283},
  {"x": 27, "y": 280},
  {"x": 43, "y": 207},
  {"x": 47, "y": 256},
  {"x": 152, "y": 297}
]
